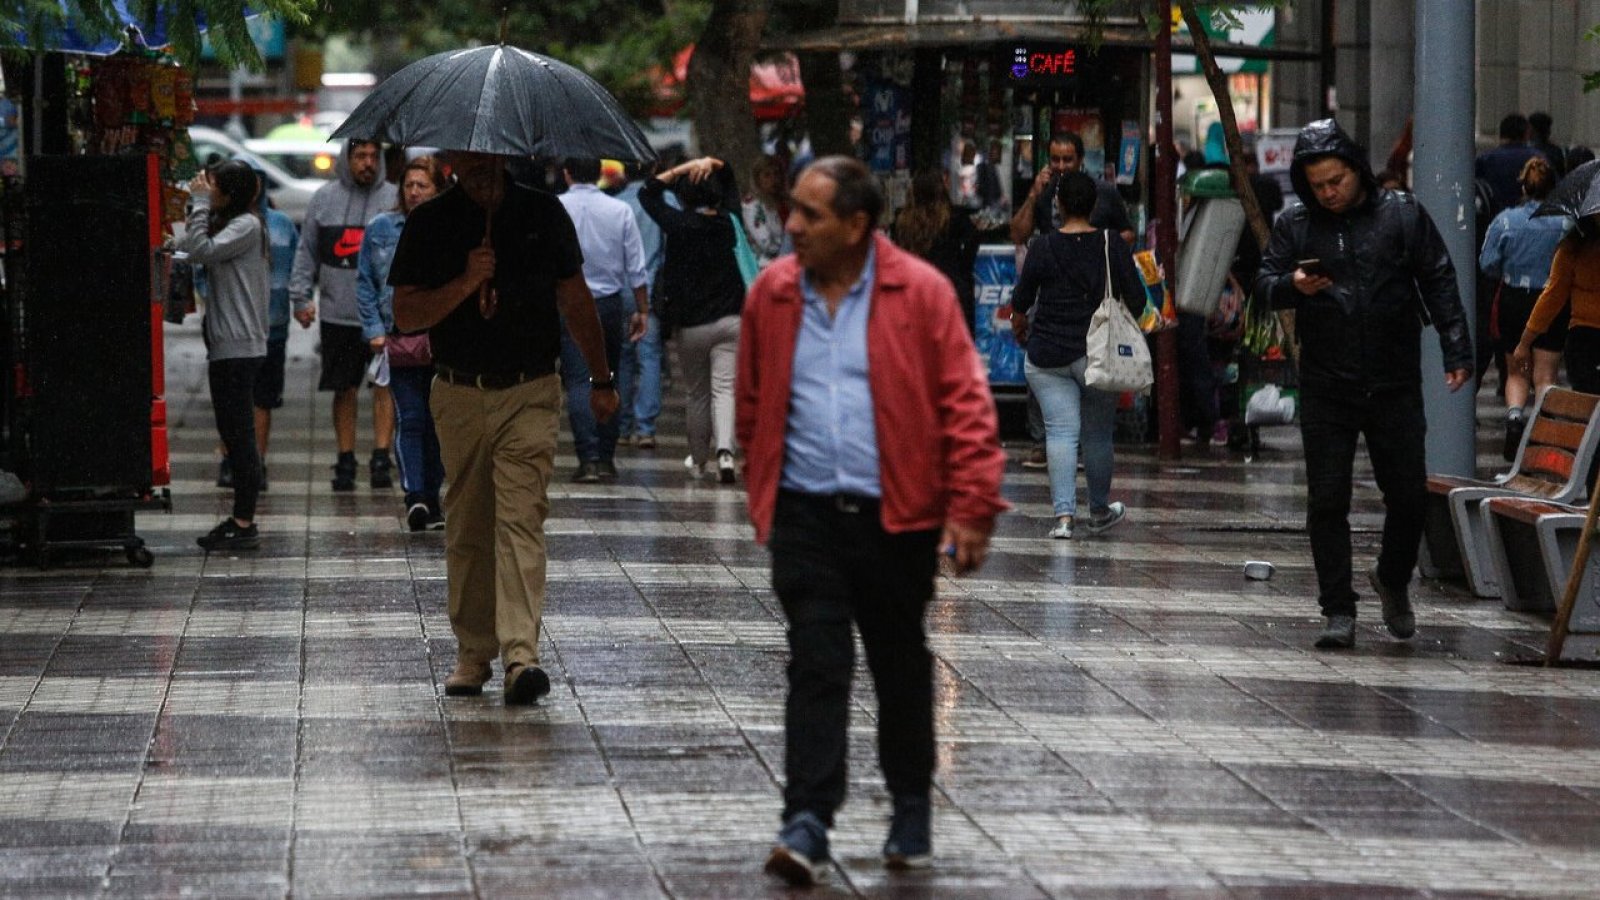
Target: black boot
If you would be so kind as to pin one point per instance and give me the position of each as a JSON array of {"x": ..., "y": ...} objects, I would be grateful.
[
  {"x": 344, "y": 472},
  {"x": 382, "y": 469}
]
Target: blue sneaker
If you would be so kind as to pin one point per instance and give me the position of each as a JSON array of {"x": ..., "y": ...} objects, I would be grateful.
[
  {"x": 801, "y": 850},
  {"x": 910, "y": 843}
]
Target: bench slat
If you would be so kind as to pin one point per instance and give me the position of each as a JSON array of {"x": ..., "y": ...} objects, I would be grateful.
[
  {"x": 1533, "y": 486},
  {"x": 1551, "y": 462},
  {"x": 1527, "y": 511},
  {"x": 1556, "y": 433},
  {"x": 1568, "y": 404}
]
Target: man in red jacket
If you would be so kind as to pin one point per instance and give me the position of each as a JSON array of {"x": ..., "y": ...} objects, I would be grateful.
[{"x": 872, "y": 446}]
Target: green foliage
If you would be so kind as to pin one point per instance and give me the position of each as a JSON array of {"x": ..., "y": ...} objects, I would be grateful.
[
  {"x": 1591, "y": 80},
  {"x": 225, "y": 19}
]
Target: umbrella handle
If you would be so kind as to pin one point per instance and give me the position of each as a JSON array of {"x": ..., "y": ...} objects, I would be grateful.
[{"x": 487, "y": 302}]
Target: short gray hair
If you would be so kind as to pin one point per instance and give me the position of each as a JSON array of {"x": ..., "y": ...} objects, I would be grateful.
[{"x": 856, "y": 189}]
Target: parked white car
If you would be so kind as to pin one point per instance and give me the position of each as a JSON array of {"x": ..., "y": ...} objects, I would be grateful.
[
  {"x": 300, "y": 158},
  {"x": 289, "y": 194}
]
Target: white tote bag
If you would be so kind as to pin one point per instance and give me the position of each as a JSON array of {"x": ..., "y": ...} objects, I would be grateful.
[{"x": 1118, "y": 357}]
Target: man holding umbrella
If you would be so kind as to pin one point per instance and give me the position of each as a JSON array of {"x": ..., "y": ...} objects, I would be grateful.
[{"x": 492, "y": 268}]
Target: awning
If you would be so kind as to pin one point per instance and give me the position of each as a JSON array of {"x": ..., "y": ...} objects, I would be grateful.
[
  {"x": 900, "y": 35},
  {"x": 775, "y": 88}
]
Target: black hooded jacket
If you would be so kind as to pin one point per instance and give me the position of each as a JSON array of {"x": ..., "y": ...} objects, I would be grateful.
[{"x": 1390, "y": 270}]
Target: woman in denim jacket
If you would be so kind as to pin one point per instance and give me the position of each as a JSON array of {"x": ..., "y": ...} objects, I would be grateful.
[{"x": 410, "y": 363}]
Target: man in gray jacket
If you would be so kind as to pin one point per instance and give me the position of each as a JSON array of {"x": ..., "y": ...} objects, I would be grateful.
[{"x": 330, "y": 242}]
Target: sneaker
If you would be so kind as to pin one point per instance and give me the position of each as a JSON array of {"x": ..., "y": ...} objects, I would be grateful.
[
  {"x": 696, "y": 470},
  {"x": 607, "y": 469},
  {"x": 1036, "y": 458},
  {"x": 467, "y": 680},
  {"x": 344, "y": 473},
  {"x": 1219, "y": 433},
  {"x": 225, "y": 473},
  {"x": 1062, "y": 530},
  {"x": 381, "y": 469},
  {"x": 588, "y": 473},
  {"x": 525, "y": 685},
  {"x": 1397, "y": 615},
  {"x": 801, "y": 850},
  {"x": 230, "y": 535},
  {"x": 417, "y": 516},
  {"x": 910, "y": 843},
  {"x": 725, "y": 471},
  {"x": 1338, "y": 633},
  {"x": 1515, "y": 425},
  {"x": 435, "y": 517},
  {"x": 645, "y": 442},
  {"x": 1104, "y": 521}
]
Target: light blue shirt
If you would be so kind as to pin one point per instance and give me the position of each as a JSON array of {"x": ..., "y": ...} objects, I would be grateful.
[
  {"x": 831, "y": 445},
  {"x": 1518, "y": 247},
  {"x": 649, "y": 232},
  {"x": 613, "y": 256}
]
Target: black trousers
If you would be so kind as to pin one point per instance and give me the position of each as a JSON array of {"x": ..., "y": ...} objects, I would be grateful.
[
  {"x": 1583, "y": 359},
  {"x": 1395, "y": 429},
  {"x": 232, "y": 402},
  {"x": 830, "y": 567}
]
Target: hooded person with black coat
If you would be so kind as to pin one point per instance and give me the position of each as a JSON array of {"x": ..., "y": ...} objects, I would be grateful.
[{"x": 1364, "y": 268}]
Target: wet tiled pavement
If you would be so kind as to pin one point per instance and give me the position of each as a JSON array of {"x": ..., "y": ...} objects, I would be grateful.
[{"x": 1124, "y": 716}]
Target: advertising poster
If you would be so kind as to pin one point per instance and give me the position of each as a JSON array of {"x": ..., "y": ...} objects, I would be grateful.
[
  {"x": 1128, "y": 156},
  {"x": 888, "y": 127},
  {"x": 996, "y": 276}
]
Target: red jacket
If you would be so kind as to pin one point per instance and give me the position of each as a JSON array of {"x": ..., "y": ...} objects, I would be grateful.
[{"x": 939, "y": 456}]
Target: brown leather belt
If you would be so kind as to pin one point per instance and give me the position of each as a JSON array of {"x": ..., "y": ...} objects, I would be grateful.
[{"x": 490, "y": 381}]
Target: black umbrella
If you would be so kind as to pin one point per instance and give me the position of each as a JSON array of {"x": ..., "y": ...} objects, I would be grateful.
[
  {"x": 1577, "y": 195},
  {"x": 498, "y": 99}
]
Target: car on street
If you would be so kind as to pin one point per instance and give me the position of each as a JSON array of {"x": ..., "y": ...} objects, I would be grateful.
[
  {"x": 289, "y": 194},
  {"x": 299, "y": 157}
]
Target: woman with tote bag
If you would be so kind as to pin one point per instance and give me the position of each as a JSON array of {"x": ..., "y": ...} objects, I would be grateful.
[{"x": 1069, "y": 273}]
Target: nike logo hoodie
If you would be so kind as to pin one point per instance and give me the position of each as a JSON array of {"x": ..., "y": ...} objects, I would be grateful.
[{"x": 330, "y": 240}]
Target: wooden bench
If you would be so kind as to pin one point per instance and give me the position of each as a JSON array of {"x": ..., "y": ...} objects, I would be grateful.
[
  {"x": 1552, "y": 465},
  {"x": 1532, "y": 544}
]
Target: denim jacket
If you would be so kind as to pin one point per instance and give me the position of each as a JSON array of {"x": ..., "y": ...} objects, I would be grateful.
[{"x": 374, "y": 296}]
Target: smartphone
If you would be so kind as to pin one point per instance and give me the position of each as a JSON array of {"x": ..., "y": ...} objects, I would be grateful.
[{"x": 1314, "y": 268}]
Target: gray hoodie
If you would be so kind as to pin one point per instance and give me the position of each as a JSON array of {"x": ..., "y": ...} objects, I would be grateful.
[
  {"x": 236, "y": 264},
  {"x": 330, "y": 240}
]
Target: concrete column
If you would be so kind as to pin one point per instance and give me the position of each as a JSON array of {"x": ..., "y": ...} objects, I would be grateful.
[
  {"x": 1443, "y": 183},
  {"x": 1392, "y": 79}
]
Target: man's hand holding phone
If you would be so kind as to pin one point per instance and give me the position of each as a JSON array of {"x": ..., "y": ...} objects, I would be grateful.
[{"x": 1312, "y": 277}]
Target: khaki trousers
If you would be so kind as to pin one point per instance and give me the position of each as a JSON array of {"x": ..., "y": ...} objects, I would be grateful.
[{"x": 499, "y": 452}]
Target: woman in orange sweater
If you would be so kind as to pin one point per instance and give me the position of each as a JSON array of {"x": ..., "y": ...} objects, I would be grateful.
[{"x": 1575, "y": 283}]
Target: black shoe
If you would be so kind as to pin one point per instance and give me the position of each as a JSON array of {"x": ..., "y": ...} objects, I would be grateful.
[
  {"x": 230, "y": 535},
  {"x": 1397, "y": 615},
  {"x": 381, "y": 469},
  {"x": 910, "y": 843},
  {"x": 525, "y": 685},
  {"x": 801, "y": 850},
  {"x": 417, "y": 516},
  {"x": 1515, "y": 425},
  {"x": 725, "y": 470},
  {"x": 225, "y": 473},
  {"x": 1338, "y": 633},
  {"x": 435, "y": 520},
  {"x": 588, "y": 472},
  {"x": 344, "y": 472},
  {"x": 607, "y": 469}
]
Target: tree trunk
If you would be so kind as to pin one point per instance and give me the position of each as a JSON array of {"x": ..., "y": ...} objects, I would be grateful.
[
  {"x": 1230, "y": 125},
  {"x": 718, "y": 85},
  {"x": 827, "y": 119}
]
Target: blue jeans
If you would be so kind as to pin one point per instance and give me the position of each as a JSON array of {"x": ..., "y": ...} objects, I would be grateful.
[
  {"x": 593, "y": 440},
  {"x": 641, "y": 390},
  {"x": 1075, "y": 413},
  {"x": 416, "y": 444}
]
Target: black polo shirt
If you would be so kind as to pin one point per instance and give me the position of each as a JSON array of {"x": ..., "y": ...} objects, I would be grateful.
[{"x": 535, "y": 246}]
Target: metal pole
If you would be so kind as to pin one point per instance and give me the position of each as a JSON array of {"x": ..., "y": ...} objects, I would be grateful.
[
  {"x": 1169, "y": 425},
  {"x": 1445, "y": 92}
]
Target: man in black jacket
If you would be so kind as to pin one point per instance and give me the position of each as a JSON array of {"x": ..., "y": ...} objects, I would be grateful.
[{"x": 1364, "y": 268}]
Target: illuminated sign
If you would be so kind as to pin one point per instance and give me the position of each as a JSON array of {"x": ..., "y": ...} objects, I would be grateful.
[{"x": 1027, "y": 63}]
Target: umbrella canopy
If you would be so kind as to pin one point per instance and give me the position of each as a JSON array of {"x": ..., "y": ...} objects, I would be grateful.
[
  {"x": 498, "y": 99},
  {"x": 1577, "y": 195}
]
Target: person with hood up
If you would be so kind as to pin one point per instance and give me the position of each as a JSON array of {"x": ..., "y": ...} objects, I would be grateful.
[
  {"x": 1364, "y": 268},
  {"x": 330, "y": 246}
]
